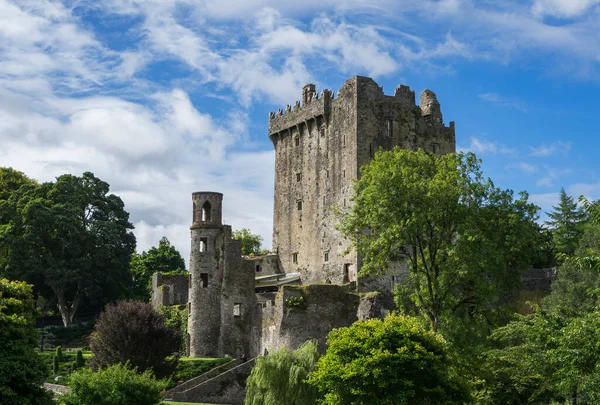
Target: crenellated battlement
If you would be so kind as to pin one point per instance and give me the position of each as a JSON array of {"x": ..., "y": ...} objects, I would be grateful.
[{"x": 315, "y": 106}]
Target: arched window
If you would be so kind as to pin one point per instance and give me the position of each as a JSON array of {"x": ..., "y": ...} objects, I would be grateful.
[{"x": 205, "y": 216}]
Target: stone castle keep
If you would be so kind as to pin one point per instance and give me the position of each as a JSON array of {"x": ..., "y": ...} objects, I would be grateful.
[{"x": 308, "y": 285}]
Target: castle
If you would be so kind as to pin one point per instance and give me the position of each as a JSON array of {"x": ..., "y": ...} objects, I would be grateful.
[{"x": 309, "y": 284}]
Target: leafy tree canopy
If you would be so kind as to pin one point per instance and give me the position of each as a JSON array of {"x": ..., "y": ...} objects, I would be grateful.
[
  {"x": 463, "y": 238},
  {"x": 115, "y": 385},
  {"x": 71, "y": 235},
  {"x": 22, "y": 371},
  {"x": 11, "y": 180},
  {"x": 280, "y": 377},
  {"x": 394, "y": 361},
  {"x": 164, "y": 258},
  {"x": 251, "y": 243},
  {"x": 133, "y": 331}
]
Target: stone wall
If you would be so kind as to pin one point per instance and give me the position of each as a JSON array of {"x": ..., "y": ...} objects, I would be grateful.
[
  {"x": 169, "y": 289},
  {"x": 265, "y": 265},
  {"x": 291, "y": 321}
]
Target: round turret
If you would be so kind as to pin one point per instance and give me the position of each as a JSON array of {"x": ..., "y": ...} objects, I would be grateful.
[{"x": 207, "y": 211}]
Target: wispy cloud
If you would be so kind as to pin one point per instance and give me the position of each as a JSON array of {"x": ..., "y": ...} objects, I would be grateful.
[
  {"x": 555, "y": 148},
  {"x": 483, "y": 146},
  {"x": 551, "y": 176},
  {"x": 523, "y": 167},
  {"x": 496, "y": 98}
]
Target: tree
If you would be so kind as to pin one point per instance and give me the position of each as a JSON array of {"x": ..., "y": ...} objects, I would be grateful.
[
  {"x": 133, "y": 331},
  {"x": 164, "y": 258},
  {"x": 251, "y": 243},
  {"x": 280, "y": 377},
  {"x": 72, "y": 235},
  {"x": 22, "y": 371},
  {"x": 566, "y": 222},
  {"x": 11, "y": 180},
  {"x": 463, "y": 238},
  {"x": 391, "y": 361},
  {"x": 115, "y": 385}
]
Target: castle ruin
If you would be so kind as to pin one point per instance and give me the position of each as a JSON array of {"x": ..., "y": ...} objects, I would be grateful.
[{"x": 310, "y": 284}]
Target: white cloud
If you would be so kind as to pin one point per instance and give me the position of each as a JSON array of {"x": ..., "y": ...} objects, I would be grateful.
[
  {"x": 562, "y": 8},
  {"x": 483, "y": 147},
  {"x": 523, "y": 167},
  {"x": 556, "y": 148},
  {"x": 552, "y": 174},
  {"x": 501, "y": 100}
]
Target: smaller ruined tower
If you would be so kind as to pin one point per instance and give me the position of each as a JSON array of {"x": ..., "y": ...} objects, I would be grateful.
[
  {"x": 204, "y": 287},
  {"x": 221, "y": 286}
]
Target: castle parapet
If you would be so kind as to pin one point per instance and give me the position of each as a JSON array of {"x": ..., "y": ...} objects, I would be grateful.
[{"x": 311, "y": 108}]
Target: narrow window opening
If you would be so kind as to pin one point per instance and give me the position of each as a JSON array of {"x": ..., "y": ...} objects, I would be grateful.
[
  {"x": 344, "y": 202},
  {"x": 189, "y": 308},
  {"x": 205, "y": 212},
  {"x": 203, "y": 244},
  {"x": 344, "y": 173},
  {"x": 299, "y": 205},
  {"x": 204, "y": 278},
  {"x": 327, "y": 173},
  {"x": 297, "y": 140},
  {"x": 298, "y": 176},
  {"x": 344, "y": 140},
  {"x": 326, "y": 258},
  {"x": 390, "y": 127},
  {"x": 435, "y": 147},
  {"x": 295, "y": 258},
  {"x": 237, "y": 310},
  {"x": 346, "y": 273},
  {"x": 258, "y": 268}
]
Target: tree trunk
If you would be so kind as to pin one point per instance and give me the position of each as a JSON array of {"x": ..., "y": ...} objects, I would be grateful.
[{"x": 67, "y": 312}]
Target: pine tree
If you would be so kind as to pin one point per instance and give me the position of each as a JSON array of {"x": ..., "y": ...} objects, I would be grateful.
[{"x": 566, "y": 223}]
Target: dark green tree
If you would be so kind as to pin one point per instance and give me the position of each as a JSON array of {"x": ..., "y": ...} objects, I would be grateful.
[
  {"x": 164, "y": 258},
  {"x": 251, "y": 243},
  {"x": 280, "y": 377},
  {"x": 71, "y": 235},
  {"x": 11, "y": 180},
  {"x": 464, "y": 239},
  {"x": 394, "y": 361},
  {"x": 22, "y": 371},
  {"x": 133, "y": 331},
  {"x": 566, "y": 222}
]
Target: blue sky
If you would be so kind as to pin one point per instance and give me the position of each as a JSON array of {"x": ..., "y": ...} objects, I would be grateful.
[{"x": 165, "y": 97}]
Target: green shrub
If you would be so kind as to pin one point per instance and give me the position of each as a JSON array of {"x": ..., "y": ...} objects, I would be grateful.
[
  {"x": 176, "y": 317},
  {"x": 58, "y": 353},
  {"x": 115, "y": 385},
  {"x": 79, "y": 361},
  {"x": 189, "y": 369},
  {"x": 55, "y": 364}
]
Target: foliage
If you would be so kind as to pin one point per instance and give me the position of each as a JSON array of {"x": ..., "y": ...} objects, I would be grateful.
[
  {"x": 189, "y": 369},
  {"x": 11, "y": 180},
  {"x": 280, "y": 377},
  {"x": 566, "y": 223},
  {"x": 542, "y": 358},
  {"x": 164, "y": 258},
  {"x": 394, "y": 361},
  {"x": 70, "y": 235},
  {"x": 116, "y": 385},
  {"x": 464, "y": 239},
  {"x": 58, "y": 353},
  {"x": 176, "y": 317},
  {"x": 67, "y": 336},
  {"x": 133, "y": 331},
  {"x": 79, "y": 361},
  {"x": 251, "y": 243},
  {"x": 22, "y": 371},
  {"x": 295, "y": 302}
]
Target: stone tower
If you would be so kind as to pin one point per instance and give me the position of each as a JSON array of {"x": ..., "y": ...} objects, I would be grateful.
[
  {"x": 320, "y": 145},
  {"x": 221, "y": 285}
]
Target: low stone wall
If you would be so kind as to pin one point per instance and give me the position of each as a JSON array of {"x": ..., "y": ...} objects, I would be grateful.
[{"x": 57, "y": 389}]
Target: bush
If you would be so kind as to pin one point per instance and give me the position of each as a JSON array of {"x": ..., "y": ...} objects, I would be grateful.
[
  {"x": 176, "y": 317},
  {"x": 55, "y": 364},
  {"x": 79, "y": 361},
  {"x": 58, "y": 353},
  {"x": 115, "y": 385},
  {"x": 133, "y": 331}
]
